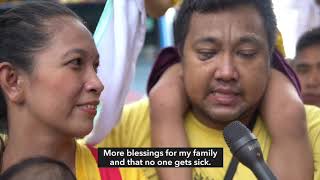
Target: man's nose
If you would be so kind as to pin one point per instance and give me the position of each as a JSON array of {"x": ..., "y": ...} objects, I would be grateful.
[
  {"x": 313, "y": 80},
  {"x": 226, "y": 70}
]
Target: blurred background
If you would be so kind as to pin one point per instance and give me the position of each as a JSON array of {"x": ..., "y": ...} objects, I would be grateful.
[
  {"x": 294, "y": 17},
  {"x": 90, "y": 11}
]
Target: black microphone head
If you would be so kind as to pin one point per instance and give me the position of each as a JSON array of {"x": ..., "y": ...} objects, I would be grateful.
[
  {"x": 245, "y": 147},
  {"x": 236, "y": 135},
  {"x": 234, "y": 131}
]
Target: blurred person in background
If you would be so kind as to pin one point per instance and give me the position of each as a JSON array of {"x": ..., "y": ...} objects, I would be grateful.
[
  {"x": 307, "y": 65},
  {"x": 157, "y": 8},
  {"x": 295, "y": 17}
]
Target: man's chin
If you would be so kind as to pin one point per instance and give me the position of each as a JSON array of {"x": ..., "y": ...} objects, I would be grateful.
[
  {"x": 219, "y": 121},
  {"x": 225, "y": 115},
  {"x": 225, "y": 118}
]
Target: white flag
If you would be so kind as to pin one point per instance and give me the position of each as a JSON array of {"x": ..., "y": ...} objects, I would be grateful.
[{"x": 119, "y": 37}]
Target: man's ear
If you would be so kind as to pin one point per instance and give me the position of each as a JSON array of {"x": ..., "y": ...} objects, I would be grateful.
[{"x": 11, "y": 83}]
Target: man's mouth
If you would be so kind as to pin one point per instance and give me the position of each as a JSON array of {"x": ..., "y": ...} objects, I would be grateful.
[{"x": 226, "y": 97}]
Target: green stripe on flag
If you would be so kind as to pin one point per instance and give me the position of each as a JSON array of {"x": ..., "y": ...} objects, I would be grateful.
[{"x": 104, "y": 21}]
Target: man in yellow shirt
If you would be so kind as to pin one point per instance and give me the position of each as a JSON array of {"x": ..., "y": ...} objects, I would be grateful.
[
  {"x": 226, "y": 49},
  {"x": 307, "y": 65},
  {"x": 134, "y": 131}
]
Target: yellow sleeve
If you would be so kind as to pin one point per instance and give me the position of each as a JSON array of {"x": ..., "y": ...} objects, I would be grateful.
[
  {"x": 175, "y": 2},
  {"x": 133, "y": 129},
  {"x": 130, "y": 132},
  {"x": 279, "y": 44},
  {"x": 316, "y": 157},
  {"x": 132, "y": 174},
  {"x": 313, "y": 118},
  {"x": 117, "y": 137},
  {"x": 86, "y": 166}
]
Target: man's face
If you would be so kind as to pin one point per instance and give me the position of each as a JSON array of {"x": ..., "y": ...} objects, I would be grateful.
[
  {"x": 225, "y": 63},
  {"x": 307, "y": 66}
]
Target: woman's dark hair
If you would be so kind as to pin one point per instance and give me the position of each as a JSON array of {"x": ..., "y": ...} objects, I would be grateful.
[
  {"x": 24, "y": 30},
  {"x": 38, "y": 168}
]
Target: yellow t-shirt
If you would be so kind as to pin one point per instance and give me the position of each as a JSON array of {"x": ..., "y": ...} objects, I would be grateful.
[
  {"x": 87, "y": 168},
  {"x": 86, "y": 165},
  {"x": 134, "y": 131}
]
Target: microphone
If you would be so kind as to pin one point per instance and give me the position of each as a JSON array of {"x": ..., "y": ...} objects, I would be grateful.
[{"x": 245, "y": 147}]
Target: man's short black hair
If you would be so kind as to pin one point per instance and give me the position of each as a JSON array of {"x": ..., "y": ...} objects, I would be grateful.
[
  {"x": 188, "y": 7},
  {"x": 308, "y": 39}
]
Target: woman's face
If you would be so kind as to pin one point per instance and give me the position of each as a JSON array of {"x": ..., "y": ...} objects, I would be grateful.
[{"x": 62, "y": 92}]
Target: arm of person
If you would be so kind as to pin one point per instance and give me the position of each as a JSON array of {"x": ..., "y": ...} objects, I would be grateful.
[
  {"x": 290, "y": 156},
  {"x": 157, "y": 8},
  {"x": 314, "y": 133},
  {"x": 288, "y": 130},
  {"x": 168, "y": 104}
]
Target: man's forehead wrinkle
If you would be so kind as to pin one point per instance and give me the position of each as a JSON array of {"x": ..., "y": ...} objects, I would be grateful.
[{"x": 229, "y": 29}]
